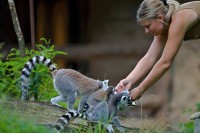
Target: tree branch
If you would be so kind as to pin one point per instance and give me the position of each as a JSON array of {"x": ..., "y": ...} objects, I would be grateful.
[{"x": 17, "y": 28}]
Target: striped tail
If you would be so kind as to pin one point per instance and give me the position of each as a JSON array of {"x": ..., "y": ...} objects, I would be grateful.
[
  {"x": 85, "y": 107},
  {"x": 64, "y": 119},
  {"x": 26, "y": 72}
]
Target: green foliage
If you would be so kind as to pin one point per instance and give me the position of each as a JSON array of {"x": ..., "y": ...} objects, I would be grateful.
[{"x": 41, "y": 85}]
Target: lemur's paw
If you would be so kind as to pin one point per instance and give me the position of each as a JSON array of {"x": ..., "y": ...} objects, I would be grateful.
[{"x": 110, "y": 128}]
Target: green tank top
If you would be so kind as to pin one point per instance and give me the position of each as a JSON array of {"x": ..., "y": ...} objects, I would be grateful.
[{"x": 194, "y": 31}]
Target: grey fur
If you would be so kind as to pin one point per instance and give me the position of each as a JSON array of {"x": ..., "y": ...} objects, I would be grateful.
[
  {"x": 99, "y": 96},
  {"x": 104, "y": 110},
  {"x": 67, "y": 82}
]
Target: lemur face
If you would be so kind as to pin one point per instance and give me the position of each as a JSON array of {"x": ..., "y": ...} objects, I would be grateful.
[{"x": 126, "y": 100}]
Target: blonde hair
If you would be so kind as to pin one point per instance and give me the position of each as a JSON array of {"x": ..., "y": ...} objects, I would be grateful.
[{"x": 152, "y": 8}]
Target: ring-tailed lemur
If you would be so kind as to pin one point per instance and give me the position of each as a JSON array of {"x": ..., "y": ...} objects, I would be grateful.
[
  {"x": 103, "y": 111},
  {"x": 92, "y": 101},
  {"x": 97, "y": 97},
  {"x": 67, "y": 83}
]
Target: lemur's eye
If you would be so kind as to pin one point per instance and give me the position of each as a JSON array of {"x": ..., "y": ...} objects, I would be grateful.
[{"x": 124, "y": 98}]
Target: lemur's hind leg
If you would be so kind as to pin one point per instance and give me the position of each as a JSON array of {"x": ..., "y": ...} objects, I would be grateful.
[
  {"x": 71, "y": 98},
  {"x": 91, "y": 108},
  {"x": 25, "y": 94},
  {"x": 92, "y": 105},
  {"x": 100, "y": 113},
  {"x": 81, "y": 104},
  {"x": 84, "y": 100},
  {"x": 116, "y": 122},
  {"x": 55, "y": 100},
  {"x": 92, "y": 102},
  {"x": 109, "y": 127}
]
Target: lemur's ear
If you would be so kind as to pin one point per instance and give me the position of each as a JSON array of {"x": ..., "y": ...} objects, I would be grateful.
[
  {"x": 107, "y": 80},
  {"x": 105, "y": 84}
]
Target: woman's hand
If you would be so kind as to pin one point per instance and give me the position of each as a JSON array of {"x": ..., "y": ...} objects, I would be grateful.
[
  {"x": 136, "y": 93},
  {"x": 124, "y": 84}
]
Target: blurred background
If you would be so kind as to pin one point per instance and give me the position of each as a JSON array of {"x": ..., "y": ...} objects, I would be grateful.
[{"x": 104, "y": 41}]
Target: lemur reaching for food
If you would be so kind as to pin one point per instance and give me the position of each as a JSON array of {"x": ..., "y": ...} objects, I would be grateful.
[
  {"x": 103, "y": 111},
  {"x": 67, "y": 83}
]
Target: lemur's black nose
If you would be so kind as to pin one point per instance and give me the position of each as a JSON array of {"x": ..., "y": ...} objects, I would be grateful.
[{"x": 131, "y": 102}]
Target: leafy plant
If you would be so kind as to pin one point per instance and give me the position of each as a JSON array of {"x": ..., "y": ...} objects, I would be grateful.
[{"x": 41, "y": 85}]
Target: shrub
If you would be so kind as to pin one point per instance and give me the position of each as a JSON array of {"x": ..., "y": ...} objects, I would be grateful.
[{"x": 41, "y": 85}]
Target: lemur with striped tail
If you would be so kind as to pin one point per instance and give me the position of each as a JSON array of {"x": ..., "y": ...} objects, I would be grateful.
[
  {"x": 67, "y": 82},
  {"x": 103, "y": 111},
  {"x": 97, "y": 97}
]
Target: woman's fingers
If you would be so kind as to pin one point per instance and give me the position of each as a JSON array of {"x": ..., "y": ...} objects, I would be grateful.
[
  {"x": 119, "y": 88},
  {"x": 122, "y": 85}
]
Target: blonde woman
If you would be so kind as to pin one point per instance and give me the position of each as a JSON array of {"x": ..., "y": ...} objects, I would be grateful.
[{"x": 170, "y": 23}]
